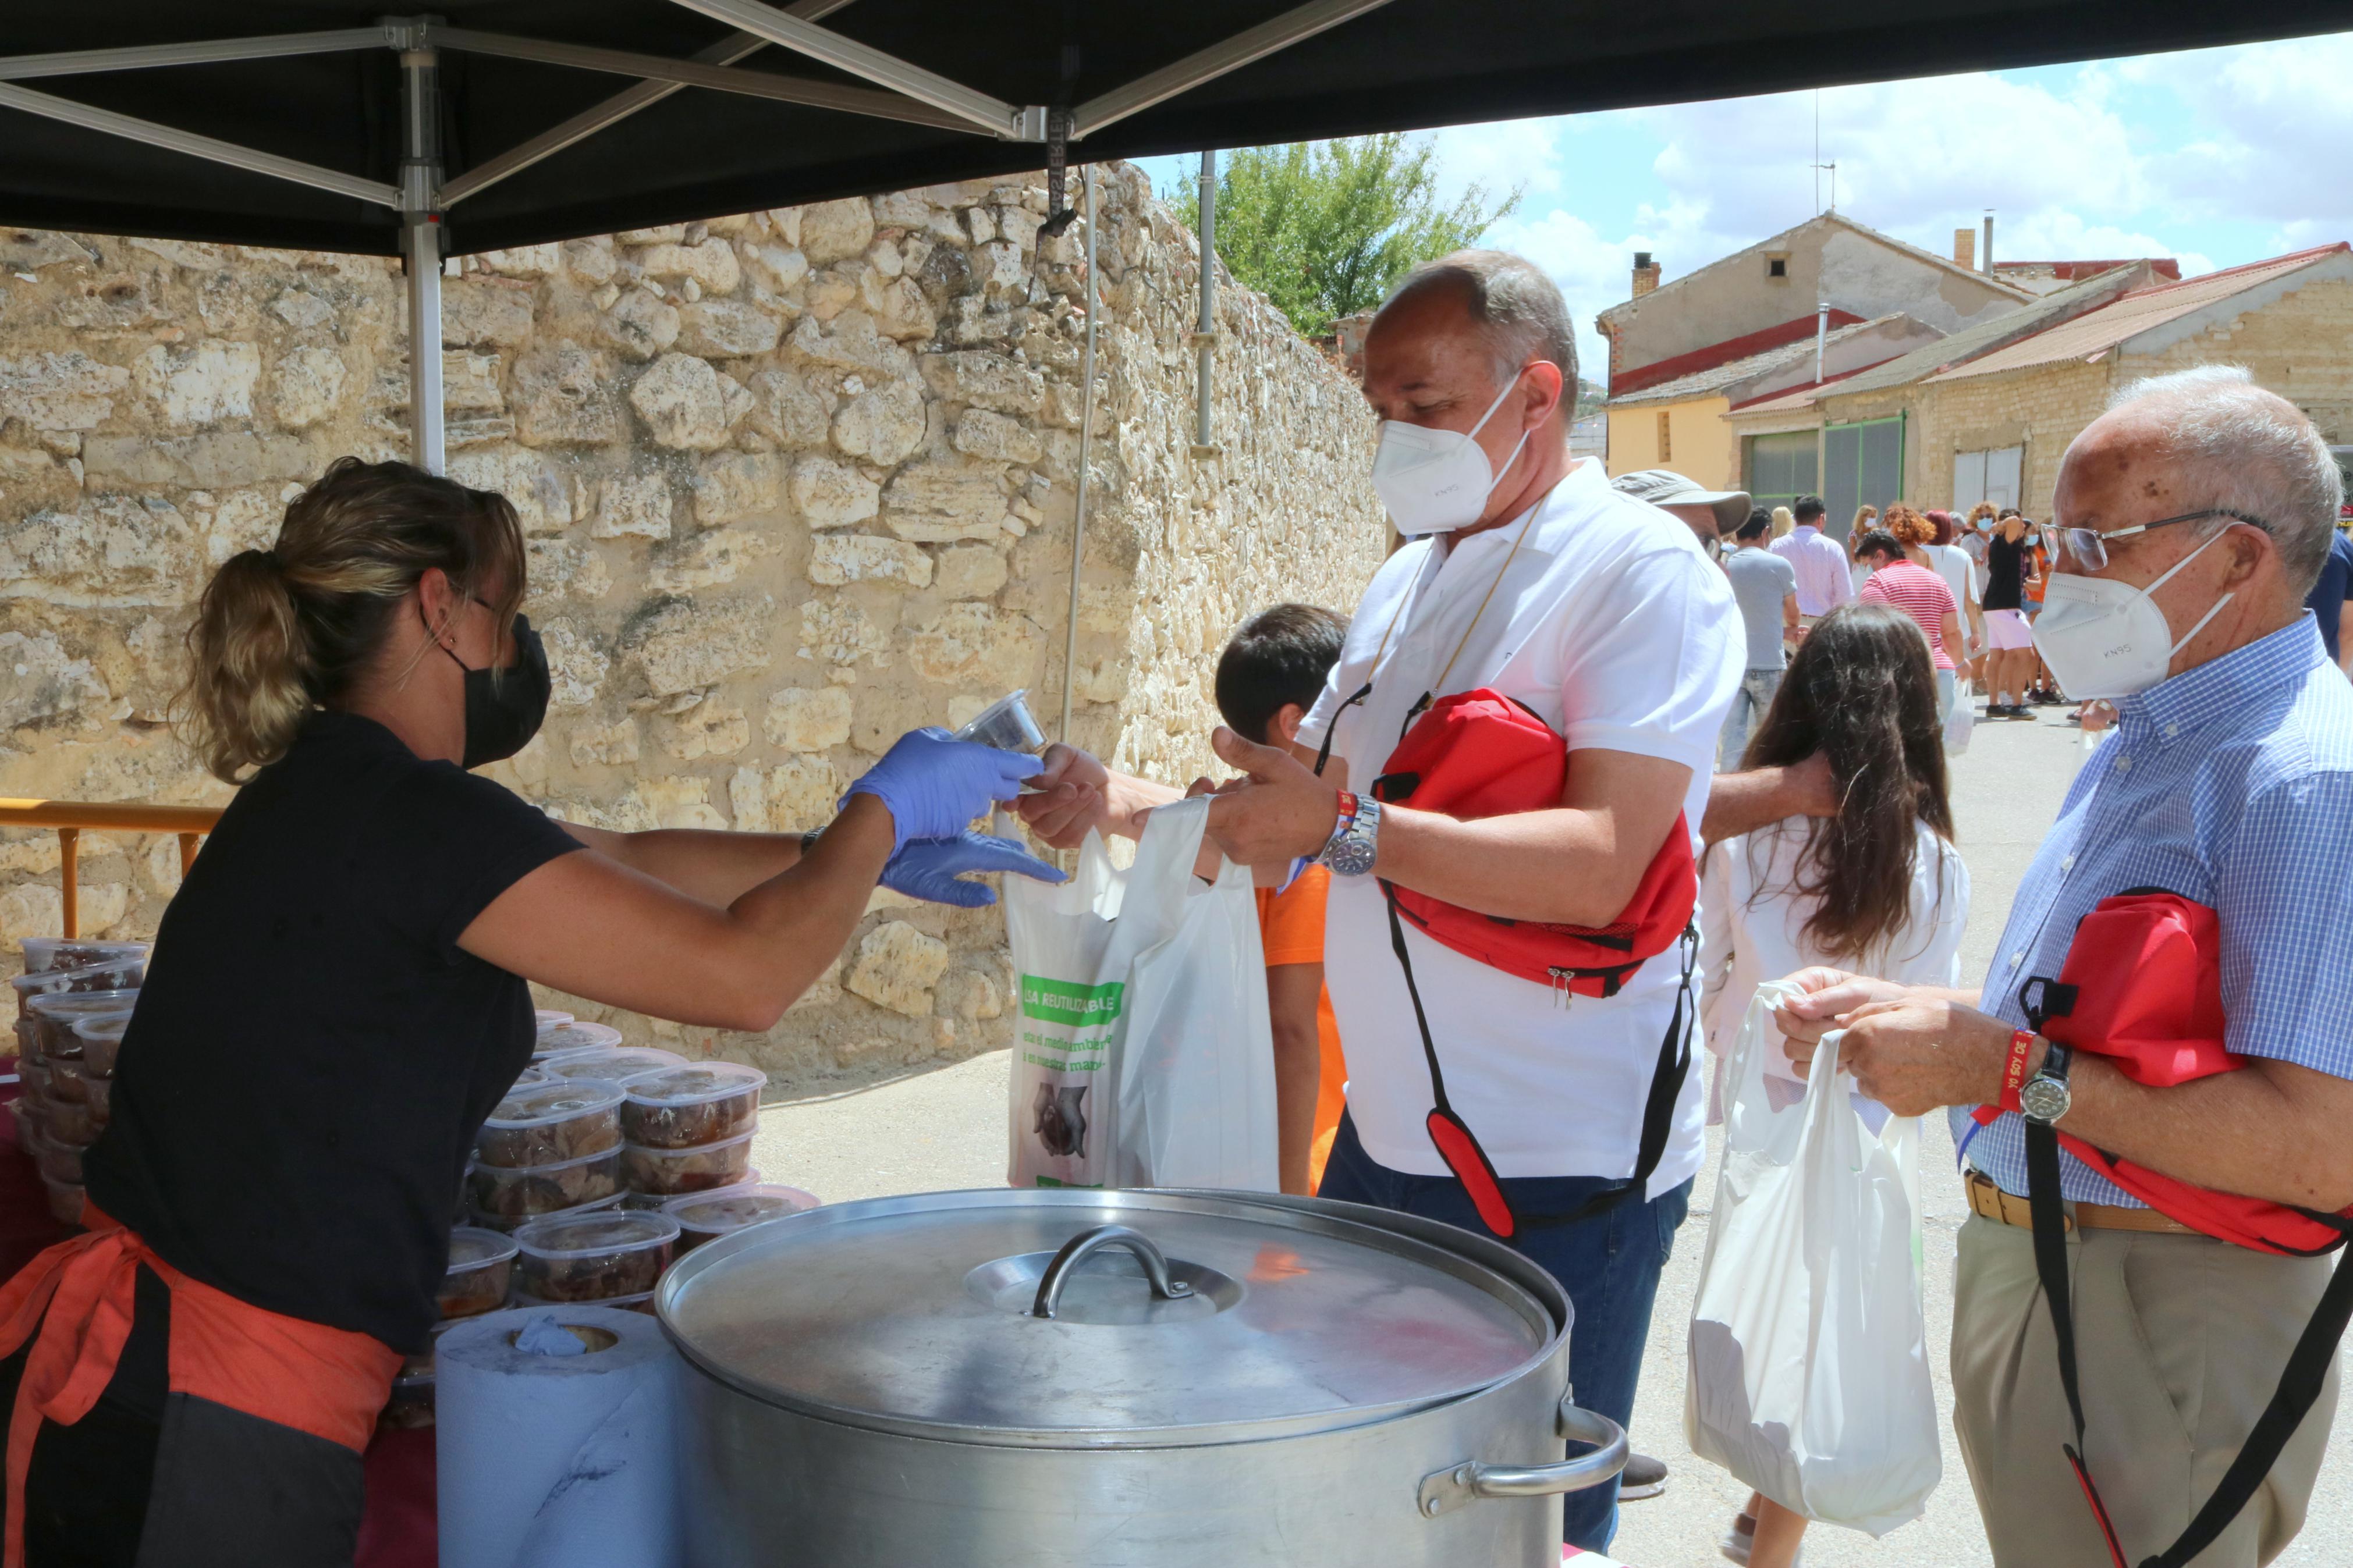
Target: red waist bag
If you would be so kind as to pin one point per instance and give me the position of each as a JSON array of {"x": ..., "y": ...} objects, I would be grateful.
[{"x": 1479, "y": 753}]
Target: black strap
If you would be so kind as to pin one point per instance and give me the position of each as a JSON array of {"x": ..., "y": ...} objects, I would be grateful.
[
  {"x": 2299, "y": 1385},
  {"x": 1323, "y": 751}
]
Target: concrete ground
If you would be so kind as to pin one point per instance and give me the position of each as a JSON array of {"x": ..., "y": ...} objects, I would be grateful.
[{"x": 946, "y": 1128}]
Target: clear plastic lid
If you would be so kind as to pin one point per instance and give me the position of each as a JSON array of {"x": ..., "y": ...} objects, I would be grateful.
[
  {"x": 116, "y": 974},
  {"x": 637, "y": 1302},
  {"x": 111, "y": 1026},
  {"x": 533, "y": 1074},
  {"x": 575, "y": 1036},
  {"x": 596, "y": 1233},
  {"x": 506, "y": 1225},
  {"x": 733, "y": 1208},
  {"x": 472, "y": 1247},
  {"x": 535, "y": 1105},
  {"x": 43, "y": 953},
  {"x": 65, "y": 1008},
  {"x": 693, "y": 1083},
  {"x": 549, "y": 1018},
  {"x": 614, "y": 1064}
]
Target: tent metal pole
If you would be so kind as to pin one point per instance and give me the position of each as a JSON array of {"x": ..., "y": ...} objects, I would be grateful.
[
  {"x": 420, "y": 245},
  {"x": 1086, "y": 440},
  {"x": 132, "y": 129},
  {"x": 1205, "y": 339},
  {"x": 74, "y": 62},
  {"x": 1205, "y": 65}
]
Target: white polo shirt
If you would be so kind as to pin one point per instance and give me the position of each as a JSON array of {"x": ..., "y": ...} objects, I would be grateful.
[{"x": 1612, "y": 625}]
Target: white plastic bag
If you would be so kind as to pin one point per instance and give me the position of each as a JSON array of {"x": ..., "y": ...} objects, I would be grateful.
[
  {"x": 1143, "y": 1055},
  {"x": 1961, "y": 720},
  {"x": 1809, "y": 1359}
]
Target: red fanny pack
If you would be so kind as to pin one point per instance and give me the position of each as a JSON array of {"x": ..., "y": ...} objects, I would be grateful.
[
  {"x": 2142, "y": 989},
  {"x": 1477, "y": 754}
]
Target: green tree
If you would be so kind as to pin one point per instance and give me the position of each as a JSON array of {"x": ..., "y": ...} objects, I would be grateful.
[{"x": 1325, "y": 228}]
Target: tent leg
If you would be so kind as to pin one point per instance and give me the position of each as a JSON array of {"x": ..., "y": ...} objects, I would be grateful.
[{"x": 420, "y": 247}]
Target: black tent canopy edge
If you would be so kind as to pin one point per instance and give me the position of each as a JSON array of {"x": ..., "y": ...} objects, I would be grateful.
[{"x": 1410, "y": 64}]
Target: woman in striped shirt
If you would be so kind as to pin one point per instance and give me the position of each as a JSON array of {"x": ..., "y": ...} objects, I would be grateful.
[{"x": 1920, "y": 594}]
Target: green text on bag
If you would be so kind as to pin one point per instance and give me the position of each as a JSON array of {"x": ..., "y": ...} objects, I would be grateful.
[{"x": 1060, "y": 1002}]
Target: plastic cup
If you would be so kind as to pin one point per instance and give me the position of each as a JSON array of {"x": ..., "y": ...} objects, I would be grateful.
[{"x": 1005, "y": 725}]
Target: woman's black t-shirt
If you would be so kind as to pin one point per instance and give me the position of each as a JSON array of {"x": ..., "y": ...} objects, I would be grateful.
[
  {"x": 2005, "y": 573},
  {"x": 312, "y": 1053}
]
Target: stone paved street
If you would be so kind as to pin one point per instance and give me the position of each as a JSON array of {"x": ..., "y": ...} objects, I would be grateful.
[{"x": 946, "y": 1128}]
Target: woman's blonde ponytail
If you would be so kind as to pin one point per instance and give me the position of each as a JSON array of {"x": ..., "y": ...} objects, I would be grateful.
[{"x": 246, "y": 691}]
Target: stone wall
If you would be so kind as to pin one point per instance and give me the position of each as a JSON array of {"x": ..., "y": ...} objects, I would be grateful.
[{"x": 795, "y": 481}]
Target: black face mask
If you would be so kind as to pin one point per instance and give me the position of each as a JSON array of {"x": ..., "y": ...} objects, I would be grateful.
[{"x": 506, "y": 707}]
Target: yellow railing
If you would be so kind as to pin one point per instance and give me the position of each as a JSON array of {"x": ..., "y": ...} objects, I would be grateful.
[{"x": 69, "y": 817}]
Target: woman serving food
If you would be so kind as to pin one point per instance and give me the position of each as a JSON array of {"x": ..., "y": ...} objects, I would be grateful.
[{"x": 337, "y": 1001}]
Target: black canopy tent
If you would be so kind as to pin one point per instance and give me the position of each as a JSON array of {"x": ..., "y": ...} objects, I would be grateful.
[{"x": 320, "y": 124}]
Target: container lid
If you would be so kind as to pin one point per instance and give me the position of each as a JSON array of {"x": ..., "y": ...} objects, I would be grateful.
[
  {"x": 611, "y": 1063},
  {"x": 534, "y": 1105},
  {"x": 111, "y": 1026},
  {"x": 472, "y": 1247},
  {"x": 595, "y": 1234},
  {"x": 695, "y": 1083},
  {"x": 733, "y": 1208},
  {"x": 73, "y": 1005},
  {"x": 570, "y": 1035},
  {"x": 549, "y": 1018},
  {"x": 530, "y": 1074},
  {"x": 915, "y": 1315},
  {"x": 115, "y": 973},
  {"x": 507, "y": 1224},
  {"x": 46, "y": 953}
]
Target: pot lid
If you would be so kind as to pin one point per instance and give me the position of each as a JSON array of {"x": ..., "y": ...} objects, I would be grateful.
[{"x": 920, "y": 1314}]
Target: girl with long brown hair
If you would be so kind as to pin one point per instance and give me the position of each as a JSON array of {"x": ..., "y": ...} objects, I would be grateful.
[{"x": 1877, "y": 889}]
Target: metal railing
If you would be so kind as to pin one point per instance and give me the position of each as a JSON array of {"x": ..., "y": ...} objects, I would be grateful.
[{"x": 70, "y": 817}]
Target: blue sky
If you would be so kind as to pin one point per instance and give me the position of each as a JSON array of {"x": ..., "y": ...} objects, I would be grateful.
[{"x": 2215, "y": 156}]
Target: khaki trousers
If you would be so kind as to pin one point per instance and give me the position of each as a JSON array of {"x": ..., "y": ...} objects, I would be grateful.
[{"x": 2179, "y": 1341}]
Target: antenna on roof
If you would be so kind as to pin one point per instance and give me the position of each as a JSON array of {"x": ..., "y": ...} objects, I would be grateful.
[{"x": 1819, "y": 166}]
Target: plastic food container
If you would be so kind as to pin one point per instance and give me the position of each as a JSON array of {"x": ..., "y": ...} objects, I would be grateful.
[
  {"x": 411, "y": 1404},
  {"x": 58, "y": 1161},
  {"x": 566, "y": 1038},
  {"x": 546, "y": 1018},
  {"x": 520, "y": 1192},
  {"x": 594, "y": 1257},
  {"x": 43, "y": 953},
  {"x": 71, "y": 1121},
  {"x": 507, "y": 1224},
  {"x": 65, "y": 1201},
  {"x": 643, "y": 1302},
  {"x": 549, "y": 1123},
  {"x": 1006, "y": 723},
  {"x": 53, "y": 1015},
  {"x": 707, "y": 1216},
  {"x": 68, "y": 1080},
  {"x": 614, "y": 1064},
  {"x": 101, "y": 1041},
  {"x": 691, "y": 1105},
  {"x": 101, "y": 1100},
  {"x": 122, "y": 974},
  {"x": 481, "y": 1263},
  {"x": 34, "y": 1073},
  {"x": 697, "y": 1170}
]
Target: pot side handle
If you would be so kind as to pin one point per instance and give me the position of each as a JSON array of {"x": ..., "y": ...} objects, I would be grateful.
[{"x": 1449, "y": 1489}]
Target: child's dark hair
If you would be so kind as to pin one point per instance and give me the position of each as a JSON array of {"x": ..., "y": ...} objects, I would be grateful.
[
  {"x": 1759, "y": 522},
  {"x": 1278, "y": 656}
]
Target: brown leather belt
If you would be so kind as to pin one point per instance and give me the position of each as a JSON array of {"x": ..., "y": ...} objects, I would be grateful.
[{"x": 1989, "y": 1200}]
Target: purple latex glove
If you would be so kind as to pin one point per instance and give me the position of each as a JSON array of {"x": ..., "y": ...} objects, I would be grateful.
[
  {"x": 934, "y": 784},
  {"x": 934, "y": 868}
]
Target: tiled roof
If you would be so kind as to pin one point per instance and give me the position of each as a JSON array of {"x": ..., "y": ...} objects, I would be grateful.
[
  {"x": 1715, "y": 378},
  {"x": 2098, "y": 331}
]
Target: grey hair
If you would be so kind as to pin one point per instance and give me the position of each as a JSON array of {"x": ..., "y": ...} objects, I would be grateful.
[
  {"x": 1512, "y": 303},
  {"x": 2251, "y": 452}
]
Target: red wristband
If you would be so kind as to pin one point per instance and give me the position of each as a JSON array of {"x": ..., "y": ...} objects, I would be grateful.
[{"x": 2013, "y": 1069}]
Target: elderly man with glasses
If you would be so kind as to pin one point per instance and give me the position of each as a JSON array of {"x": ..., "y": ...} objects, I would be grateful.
[{"x": 2191, "y": 519}]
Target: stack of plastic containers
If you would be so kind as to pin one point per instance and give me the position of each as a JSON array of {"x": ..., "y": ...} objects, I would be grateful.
[
  {"x": 68, "y": 1086},
  {"x": 478, "y": 1279},
  {"x": 689, "y": 1128},
  {"x": 547, "y": 1148},
  {"x": 612, "y": 1256}
]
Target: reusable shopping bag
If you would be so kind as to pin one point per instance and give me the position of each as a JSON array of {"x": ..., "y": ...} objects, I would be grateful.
[
  {"x": 1142, "y": 1053},
  {"x": 1961, "y": 720},
  {"x": 1809, "y": 1357}
]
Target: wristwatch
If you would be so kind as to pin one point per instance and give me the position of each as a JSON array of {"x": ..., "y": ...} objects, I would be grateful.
[
  {"x": 1350, "y": 849},
  {"x": 2045, "y": 1098}
]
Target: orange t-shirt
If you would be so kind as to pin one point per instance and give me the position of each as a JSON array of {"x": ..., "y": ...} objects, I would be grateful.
[{"x": 1291, "y": 931}]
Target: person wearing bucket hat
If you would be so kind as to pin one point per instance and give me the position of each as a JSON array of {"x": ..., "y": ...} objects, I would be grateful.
[{"x": 1710, "y": 514}]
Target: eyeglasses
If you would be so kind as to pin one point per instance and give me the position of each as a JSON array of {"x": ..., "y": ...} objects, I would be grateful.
[{"x": 2088, "y": 546}]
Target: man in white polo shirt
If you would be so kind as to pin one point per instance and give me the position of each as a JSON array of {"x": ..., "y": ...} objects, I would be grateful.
[{"x": 1601, "y": 615}]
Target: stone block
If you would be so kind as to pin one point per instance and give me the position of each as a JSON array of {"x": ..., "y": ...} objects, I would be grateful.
[
  {"x": 787, "y": 410},
  {"x": 986, "y": 380},
  {"x": 727, "y": 329},
  {"x": 800, "y": 793},
  {"x": 591, "y": 260},
  {"x": 884, "y": 424},
  {"x": 118, "y": 548},
  {"x": 477, "y": 312},
  {"x": 540, "y": 489},
  {"x": 970, "y": 571},
  {"x": 839, "y": 558},
  {"x": 661, "y": 233},
  {"x": 808, "y": 718},
  {"x": 998, "y": 266},
  {"x": 605, "y": 745},
  {"x": 525, "y": 261},
  {"x": 565, "y": 396},
  {"x": 205, "y": 383},
  {"x": 301, "y": 310},
  {"x": 242, "y": 519},
  {"x": 705, "y": 729},
  {"x": 69, "y": 391},
  {"x": 747, "y": 800},
  {"x": 736, "y": 484},
  {"x": 632, "y": 506},
  {"x": 970, "y": 994},
  {"x": 640, "y": 323},
  {"x": 681, "y": 802},
  {"x": 710, "y": 264},
  {"x": 836, "y": 231},
  {"x": 896, "y": 967},
  {"x": 683, "y": 403},
  {"x": 682, "y": 644},
  {"x": 576, "y": 664},
  {"x": 831, "y": 493},
  {"x": 31, "y": 910},
  {"x": 469, "y": 384},
  {"x": 938, "y": 503},
  {"x": 41, "y": 683},
  {"x": 561, "y": 569},
  {"x": 778, "y": 267},
  {"x": 995, "y": 438},
  {"x": 854, "y": 343},
  {"x": 306, "y": 386},
  {"x": 978, "y": 644},
  {"x": 220, "y": 460},
  {"x": 712, "y": 557}
]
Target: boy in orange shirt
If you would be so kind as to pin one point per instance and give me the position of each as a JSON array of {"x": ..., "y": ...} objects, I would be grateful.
[{"x": 1268, "y": 676}]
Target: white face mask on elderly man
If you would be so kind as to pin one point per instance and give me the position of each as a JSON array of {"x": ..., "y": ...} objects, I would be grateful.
[
  {"x": 1435, "y": 481},
  {"x": 2106, "y": 638}
]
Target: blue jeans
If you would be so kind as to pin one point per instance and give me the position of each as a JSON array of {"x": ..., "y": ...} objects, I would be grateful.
[
  {"x": 1609, "y": 1265},
  {"x": 1748, "y": 705}
]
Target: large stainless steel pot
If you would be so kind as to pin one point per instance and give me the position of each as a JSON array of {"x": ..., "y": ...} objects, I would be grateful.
[{"x": 996, "y": 1380}]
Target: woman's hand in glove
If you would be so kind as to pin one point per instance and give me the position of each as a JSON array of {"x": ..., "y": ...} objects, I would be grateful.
[
  {"x": 934, "y": 868},
  {"x": 934, "y": 784}
]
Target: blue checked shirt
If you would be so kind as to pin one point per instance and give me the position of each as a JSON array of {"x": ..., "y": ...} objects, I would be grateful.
[{"x": 2232, "y": 784}]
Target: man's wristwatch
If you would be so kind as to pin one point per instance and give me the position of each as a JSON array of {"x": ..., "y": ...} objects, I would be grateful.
[
  {"x": 2045, "y": 1098},
  {"x": 1350, "y": 849}
]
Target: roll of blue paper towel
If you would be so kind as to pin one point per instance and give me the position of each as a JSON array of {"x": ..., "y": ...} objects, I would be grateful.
[{"x": 556, "y": 1440}]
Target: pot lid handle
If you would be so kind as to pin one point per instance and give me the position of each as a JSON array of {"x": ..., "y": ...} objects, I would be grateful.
[{"x": 1076, "y": 1251}]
